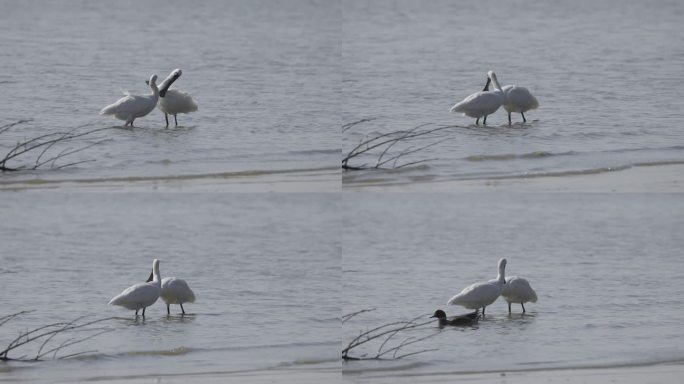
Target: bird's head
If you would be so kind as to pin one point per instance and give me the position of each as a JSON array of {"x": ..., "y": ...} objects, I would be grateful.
[
  {"x": 175, "y": 75},
  {"x": 439, "y": 314}
]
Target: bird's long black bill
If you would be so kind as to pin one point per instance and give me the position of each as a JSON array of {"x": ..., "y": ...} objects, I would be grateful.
[
  {"x": 486, "y": 88},
  {"x": 166, "y": 84}
]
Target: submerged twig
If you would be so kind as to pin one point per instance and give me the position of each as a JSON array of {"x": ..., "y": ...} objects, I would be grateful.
[
  {"x": 47, "y": 334},
  {"x": 348, "y": 316},
  {"x": 386, "y": 142},
  {"x": 42, "y": 144},
  {"x": 345, "y": 127},
  {"x": 384, "y": 334}
]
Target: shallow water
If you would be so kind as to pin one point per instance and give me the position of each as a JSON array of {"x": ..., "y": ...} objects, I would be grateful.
[
  {"x": 281, "y": 87},
  {"x": 257, "y": 263},
  {"x": 264, "y": 76},
  {"x": 605, "y": 74},
  {"x": 606, "y": 269}
]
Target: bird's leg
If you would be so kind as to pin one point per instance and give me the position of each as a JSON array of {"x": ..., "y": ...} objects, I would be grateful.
[
  {"x": 168, "y": 309},
  {"x": 477, "y": 122},
  {"x": 484, "y": 122},
  {"x": 167, "y": 120},
  {"x": 183, "y": 310},
  {"x": 136, "y": 313},
  {"x": 509, "y": 308},
  {"x": 509, "y": 118},
  {"x": 523, "y": 115},
  {"x": 144, "y": 311},
  {"x": 523, "y": 305},
  {"x": 483, "y": 309},
  {"x": 174, "y": 119}
]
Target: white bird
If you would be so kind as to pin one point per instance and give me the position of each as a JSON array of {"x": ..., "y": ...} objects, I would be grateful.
[
  {"x": 483, "y": 103},
  {"x": 130, "y": 107},
  {"x": 517, "y": 99},
  {"x": 518, "y": 290},
  {"x": 480, "y": 295},
  {"x": 174, "y": 101},
  {"x": 175, "y": 291},
  {"x": 141, "y": 296}
]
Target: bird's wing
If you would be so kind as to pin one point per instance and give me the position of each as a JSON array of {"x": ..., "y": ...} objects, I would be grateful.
[
  {"x": 123, "y": 105},
  {"x": 180, "y": 100}
]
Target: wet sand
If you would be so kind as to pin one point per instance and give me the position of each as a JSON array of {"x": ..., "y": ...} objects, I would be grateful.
[
  {"x": 638, "y": 179},
  {"x": 329, "y": 373},
  {"x": 314, "y": 180},
  {"x": 662, "y": 373}
]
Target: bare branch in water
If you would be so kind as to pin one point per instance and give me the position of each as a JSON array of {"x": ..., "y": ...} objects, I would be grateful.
[
  {"x": 384, "y": 334},
  {"x": 10, "y": 125},
  {"x": 385, "y": 142},
  {"x": 42, "y": 144},
  {"x": 47, "y": 334},
  {"x": 7, "y": 318},
  {"x": 354, "y": 123},
  {"x": 348, "y": 316}
]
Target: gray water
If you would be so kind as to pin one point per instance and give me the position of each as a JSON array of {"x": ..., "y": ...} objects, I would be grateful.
[
  {"x": 606, "y": 74},
  {"x": 282, "y": 87},
  {"x": 606, "y": 268},
  {"x": 255, "y": 262},
  {"x": 264, "y": 76}
]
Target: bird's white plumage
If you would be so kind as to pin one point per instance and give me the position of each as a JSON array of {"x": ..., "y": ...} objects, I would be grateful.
[
  {"x": 480, "y": 295},
  {"x": 140, "y": 296},
  {"x": 130, "y": 107},
  {"x": 176, "y": 101},
  {"x": 518, "y": 99},
  {"x": 483, "y": 103},
  {"x": 479, "y": 104},
  {"x": 176, "y": 291},
  {"x": 477, "y": 295},
  {"x": 518, "y": 290}
]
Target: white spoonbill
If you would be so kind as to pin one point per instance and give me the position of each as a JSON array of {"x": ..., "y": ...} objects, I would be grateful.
[
  {"x": 480, "y": 295},
  {"x": 517, "y": 99},
  {"x": 130, "y": 107},
  {"x": 518, "y": 290},
  {"x": 174, "y": 101},
  {"x": 175, "y": 291},
  {"x": 140, "y": 296},
  {"x": 483, "y": 103}
]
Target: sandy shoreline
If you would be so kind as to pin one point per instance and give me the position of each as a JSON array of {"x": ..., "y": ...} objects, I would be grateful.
[
  {"x": 639, "y": 179},
  {"x": 328, "y": 373},
  {"x": 660, "y": 373},
  {"x": 315, "y": 180}
]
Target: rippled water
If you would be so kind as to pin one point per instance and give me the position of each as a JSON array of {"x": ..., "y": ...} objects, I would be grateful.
[
  {"x": 606, "y": 269},
  {"x": 282, "y": 86},
  {"x": 257, "y": 263},
  {"x": 264, "y": 75},
  {"x": 605, "y": 74}
]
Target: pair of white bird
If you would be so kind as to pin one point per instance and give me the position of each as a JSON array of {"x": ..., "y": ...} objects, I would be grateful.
[
  {"x": 140, "y": 296},
  {"x": 479, "y": 295},
  {"x": 169, "y": 101},
  {"x": 486, "y": 102}
]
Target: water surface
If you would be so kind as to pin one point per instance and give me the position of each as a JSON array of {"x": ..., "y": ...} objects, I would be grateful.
[
  {"x": 264, "y": 73},
  {"x": 606, "y": 268},
  {"x": 605, "y": 74},
  {"x": 257, "y": 264}
]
